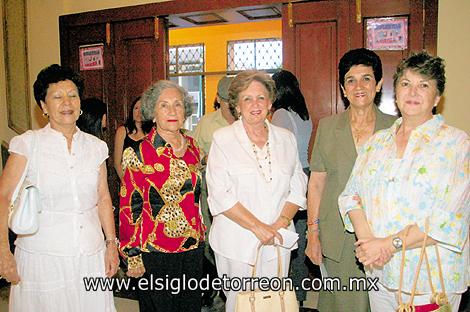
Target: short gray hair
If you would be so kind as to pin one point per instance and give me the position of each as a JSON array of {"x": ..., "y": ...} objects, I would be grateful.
[{"x": 151, "y": 95}]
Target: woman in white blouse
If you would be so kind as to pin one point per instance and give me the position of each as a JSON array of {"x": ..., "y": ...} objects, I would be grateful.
[
  {"x": 255, "y": 182},
  {"x": 68, "y": 166}
]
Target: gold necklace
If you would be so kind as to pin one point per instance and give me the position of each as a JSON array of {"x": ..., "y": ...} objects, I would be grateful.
[
  {"x": 269, "y": 178},
  {"x": 357, "y": 133}
]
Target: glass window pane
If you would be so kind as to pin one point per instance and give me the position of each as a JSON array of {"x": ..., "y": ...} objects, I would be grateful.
[{"x": 263, "y": 54}]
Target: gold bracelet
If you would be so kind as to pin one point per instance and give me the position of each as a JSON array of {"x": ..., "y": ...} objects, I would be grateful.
[
  {"x": 286, "y": 219},
  {"x": 114, "y": 241},
  {"x": 135, "y": 262}
]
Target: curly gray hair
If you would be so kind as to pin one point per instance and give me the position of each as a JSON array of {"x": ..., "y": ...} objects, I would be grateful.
[{"x": 151, "y": 95}]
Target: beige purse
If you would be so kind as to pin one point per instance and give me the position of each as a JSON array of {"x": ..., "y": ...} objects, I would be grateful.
[
  {"x": 439, "y": 300},
  {"x": 267, "y": 301}
]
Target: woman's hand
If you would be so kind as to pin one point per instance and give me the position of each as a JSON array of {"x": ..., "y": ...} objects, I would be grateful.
[
  {"x": 280, "y": 223},
  {"x": 8, "y": 269},
  {"x": 136, "y": 273},
  {"x": 376, "y": 251},
  {"x": 313, "y": 249},
  {"x": 111, "y": 260},
  {"x": 266, "y": 233}
]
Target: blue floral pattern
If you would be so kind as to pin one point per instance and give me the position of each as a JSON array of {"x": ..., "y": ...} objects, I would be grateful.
[{"x": 431, "y": 181}]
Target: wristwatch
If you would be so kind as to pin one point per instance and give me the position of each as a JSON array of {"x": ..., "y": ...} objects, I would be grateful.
[{"x": 397, "y": 242}]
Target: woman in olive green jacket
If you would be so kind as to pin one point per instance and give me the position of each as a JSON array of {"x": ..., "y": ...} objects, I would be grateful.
[{"x": 333, "y": 157}]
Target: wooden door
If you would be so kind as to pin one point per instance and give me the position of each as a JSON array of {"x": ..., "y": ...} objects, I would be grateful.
[
  {"x": 140, "y": 58},
  {"x": 422, "y": 34},
  {"x": 314, "y": 36}
]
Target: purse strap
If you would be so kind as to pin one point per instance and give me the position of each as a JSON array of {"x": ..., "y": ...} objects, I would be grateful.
[
  {"x": 279, "y": 274},
  {"x": 26, "y": 169},
  {"x": 440, "y": 298},
  {"x": 408, "y": 307},
  {"x": 279, "y": 261}
]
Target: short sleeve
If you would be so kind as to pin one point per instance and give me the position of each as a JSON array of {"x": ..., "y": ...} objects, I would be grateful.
[
  {"x": 298, "y": 181},
  {"x": 102, "y": 152},
  {"x": 316, "y": 160},
  {"x": 22, "y": 144}
]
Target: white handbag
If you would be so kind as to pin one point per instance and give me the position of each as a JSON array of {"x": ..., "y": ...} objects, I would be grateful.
[
  {"x": 270, "y": 300},
  {"x": 25, "y": 203}
]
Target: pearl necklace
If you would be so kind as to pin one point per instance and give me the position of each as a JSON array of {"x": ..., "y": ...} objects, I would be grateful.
[{"x": 269, "y": 178}]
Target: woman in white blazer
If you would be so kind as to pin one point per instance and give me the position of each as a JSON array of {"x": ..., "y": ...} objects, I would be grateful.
[{"x": 255, "y": 183}]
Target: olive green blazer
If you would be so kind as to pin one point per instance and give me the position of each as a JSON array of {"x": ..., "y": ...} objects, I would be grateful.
[{"x": 334, "y": 152}]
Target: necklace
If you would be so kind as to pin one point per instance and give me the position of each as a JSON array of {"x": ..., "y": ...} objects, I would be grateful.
[
  {"x": 182, "y": 145},
  {"x": 357, "y": 133},
  {"x": 268, "y": 178}
]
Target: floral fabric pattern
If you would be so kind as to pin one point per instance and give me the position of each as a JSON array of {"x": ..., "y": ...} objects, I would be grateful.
[{"x": 431, "y": 181}]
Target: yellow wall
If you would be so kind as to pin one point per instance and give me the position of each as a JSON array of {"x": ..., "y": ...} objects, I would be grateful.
[
  {"x": 453, "y": 45},
  {"x": 43, "y": 45},
  {"x": 215, "y": 40}
]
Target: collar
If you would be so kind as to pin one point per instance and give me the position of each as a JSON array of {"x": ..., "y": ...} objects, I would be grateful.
[
  {"x": 48, "y": 129},
  {"x": 429, "y": 128},
  {"x": 243, "y": 138},
  {"x": 344, "y": 120},
  {"x": 157, "y": 141}
]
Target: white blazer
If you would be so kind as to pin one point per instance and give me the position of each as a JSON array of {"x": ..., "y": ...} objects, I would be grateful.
[{"x": 233, "y": 176}]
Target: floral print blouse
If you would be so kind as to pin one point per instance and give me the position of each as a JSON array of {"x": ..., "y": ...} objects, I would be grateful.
[
  {"x": 159, "y": 198},
  {"x": 431, "y": 181}
]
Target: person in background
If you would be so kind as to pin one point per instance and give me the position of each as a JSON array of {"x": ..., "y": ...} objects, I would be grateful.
[
  {"x": 130, "y": 134},
  {"x": 68, "y": 166},
  {"x": 93, "y": 119},
  {"x": 416, "y": 172},
  {"x": 203, "y": 132},
  {"x": 290, "y": 112},
  {"x": 334, "y": 152},
  {"x": 255, "y": 183},
  {"x": 161, "y": 228}
]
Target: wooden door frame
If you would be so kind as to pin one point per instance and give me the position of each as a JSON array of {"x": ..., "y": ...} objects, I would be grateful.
[{"x": 155, "y": 10}]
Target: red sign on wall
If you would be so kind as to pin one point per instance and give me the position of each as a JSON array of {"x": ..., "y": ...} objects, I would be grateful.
[{"x": 91, "y": 57}]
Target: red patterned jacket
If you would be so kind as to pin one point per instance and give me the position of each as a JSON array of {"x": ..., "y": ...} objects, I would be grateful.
[{"x": 159, "y": 198}]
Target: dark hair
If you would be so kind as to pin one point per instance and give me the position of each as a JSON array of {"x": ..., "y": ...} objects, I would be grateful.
[
  {"x": 53, "y": 74},
  {"x": 242, "y": 81},
  {"x": 364, "y": 57},
  {"x": 130, "y": 122},
  {"x": 90, "y": 119},
  {"x": 288, "y": 94},
  {"x": 216, "y": 104},
  {"x": 431, "y": 67}
]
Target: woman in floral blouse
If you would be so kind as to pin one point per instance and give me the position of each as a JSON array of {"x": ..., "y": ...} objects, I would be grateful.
[
  {"x": 414, "y": 173},
  {"x": 161, "y": 229}
]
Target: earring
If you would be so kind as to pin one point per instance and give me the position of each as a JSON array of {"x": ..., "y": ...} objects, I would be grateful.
[
  {"x": 81, "y": 112},
  {"x": 45, "y": 115}
]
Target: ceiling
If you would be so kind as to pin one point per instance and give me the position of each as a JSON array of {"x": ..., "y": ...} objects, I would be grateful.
[{"x": 228, "y": 16}]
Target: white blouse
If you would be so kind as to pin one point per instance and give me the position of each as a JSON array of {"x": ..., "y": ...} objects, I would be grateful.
[
  {"x": 233, "y": 175},
  {"x": 69, "y": 224}
]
